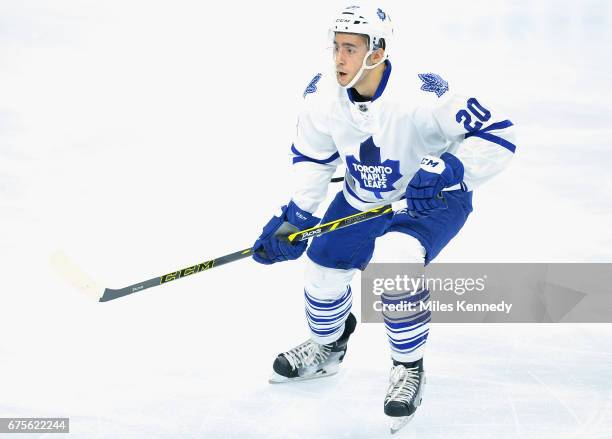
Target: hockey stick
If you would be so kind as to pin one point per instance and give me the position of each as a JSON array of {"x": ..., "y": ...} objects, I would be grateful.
[{"x": 80, "y": 280}]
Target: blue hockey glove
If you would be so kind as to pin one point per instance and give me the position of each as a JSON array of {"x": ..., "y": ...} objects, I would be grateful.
[
  {"x": 424, "y": 192},
  {"x": 272, "y": 245}
]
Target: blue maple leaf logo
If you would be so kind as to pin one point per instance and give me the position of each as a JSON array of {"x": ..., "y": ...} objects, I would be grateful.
[
  {"x": 312, "y": 86},
  {"x": 370, "y": 173},
  {"x": 433, "y": 83}
]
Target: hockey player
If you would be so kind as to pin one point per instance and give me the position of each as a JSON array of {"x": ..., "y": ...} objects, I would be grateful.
[{"x": 400, "y": 135}]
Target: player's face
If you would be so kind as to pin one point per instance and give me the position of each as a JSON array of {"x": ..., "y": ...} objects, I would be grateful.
[{"x": 349, "y": 51}]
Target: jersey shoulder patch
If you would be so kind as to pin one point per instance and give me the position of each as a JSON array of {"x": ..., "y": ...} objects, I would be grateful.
[
  {"x": 312, "y": 85},
  {"x": 432, "y": 82}
]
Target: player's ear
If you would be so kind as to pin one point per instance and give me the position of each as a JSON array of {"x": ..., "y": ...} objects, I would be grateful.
[{"x": 377, "y": 55}]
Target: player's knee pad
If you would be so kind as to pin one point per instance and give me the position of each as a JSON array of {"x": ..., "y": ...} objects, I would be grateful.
[
  {"x": 326, "y": 283},
  {"x": 400, "y": 248}
]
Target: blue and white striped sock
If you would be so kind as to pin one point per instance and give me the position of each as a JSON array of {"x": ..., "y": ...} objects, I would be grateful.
[
  {"x": 407, "y": 330},
  {"x": 326, "y": 317}
]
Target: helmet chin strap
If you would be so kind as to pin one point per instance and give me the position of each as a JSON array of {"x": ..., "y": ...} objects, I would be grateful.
[{"x": 364, "y": 67}]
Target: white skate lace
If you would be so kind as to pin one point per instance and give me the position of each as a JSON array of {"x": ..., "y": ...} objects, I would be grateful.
[
  {"x": 307, "y": 354},
  {"x": 404, "y": 384}
]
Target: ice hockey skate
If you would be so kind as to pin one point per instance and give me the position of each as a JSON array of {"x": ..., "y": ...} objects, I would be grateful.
[
  {"x": 405, "y": 393},
  {"x": 311, "y": 360}
]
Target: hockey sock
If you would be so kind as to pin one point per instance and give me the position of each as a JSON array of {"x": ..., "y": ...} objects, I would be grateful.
[
  {"x": 408, "y": 327},
  {"x": 326, "y": 317}
]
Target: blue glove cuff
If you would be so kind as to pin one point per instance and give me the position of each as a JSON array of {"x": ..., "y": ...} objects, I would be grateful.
[
  {"x": 299, "y": 218},
  {"x": 453, "y": 174}
]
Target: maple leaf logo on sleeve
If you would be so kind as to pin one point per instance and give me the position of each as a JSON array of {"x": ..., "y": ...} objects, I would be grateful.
[
  {"x": 312, "y": 86},
  {"x": 433, "y": 83}
]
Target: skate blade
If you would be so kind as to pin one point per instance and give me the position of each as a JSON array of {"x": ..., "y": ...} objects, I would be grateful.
[
  {"x": 398, "y": 423},
  {"x": 279, "y": 379}
]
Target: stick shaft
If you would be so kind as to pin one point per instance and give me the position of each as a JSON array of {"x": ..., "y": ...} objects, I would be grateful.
[
  {"x": 303, "y": 235},
  {"x": 110, "y": 294},
  {"x": 340, "y": 223}
]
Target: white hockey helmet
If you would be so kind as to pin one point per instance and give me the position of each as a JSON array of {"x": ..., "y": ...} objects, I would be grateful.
[{"x": 372, "y": 22}]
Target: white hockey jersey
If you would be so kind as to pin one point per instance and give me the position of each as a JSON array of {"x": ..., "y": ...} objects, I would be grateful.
[{"x": 382, "y": 142}]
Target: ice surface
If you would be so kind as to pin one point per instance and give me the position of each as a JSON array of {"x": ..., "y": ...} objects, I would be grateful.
[{"x": 140, "y": 137}]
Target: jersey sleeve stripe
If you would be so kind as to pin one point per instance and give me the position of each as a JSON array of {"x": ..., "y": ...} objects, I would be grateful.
[
  {"x": 304, "y": 158},
  {"x": 498, "y": 126},
  {"x": 495, "y": 139},
  {"x": 486, "y": 135}
]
